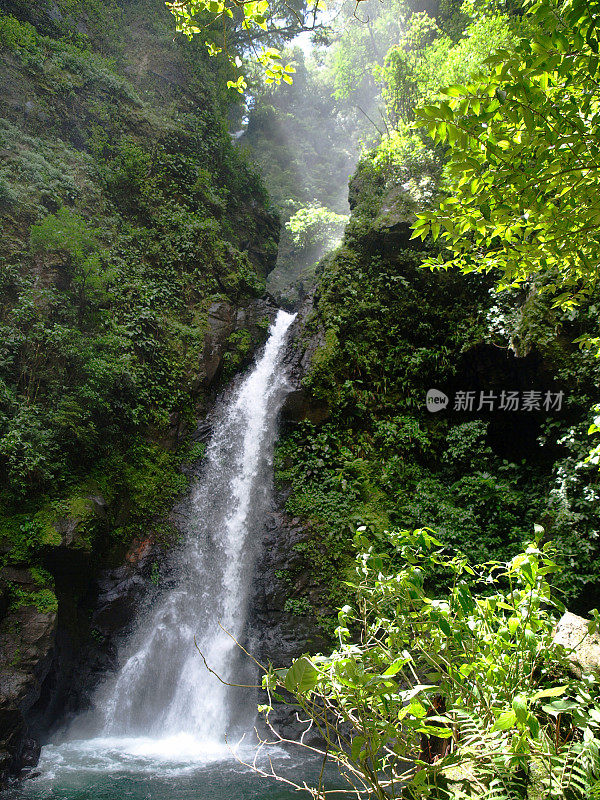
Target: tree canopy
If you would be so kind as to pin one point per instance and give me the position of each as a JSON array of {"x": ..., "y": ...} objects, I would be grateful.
[
  {"x": 260, "y": 20},
  {"x": 524, "y": 147}
]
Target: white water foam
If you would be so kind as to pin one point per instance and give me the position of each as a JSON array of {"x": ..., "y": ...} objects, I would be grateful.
[{"x": 180, "y": 754}]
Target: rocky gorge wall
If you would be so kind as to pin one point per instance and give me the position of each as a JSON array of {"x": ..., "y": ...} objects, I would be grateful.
[
  {"x": 136, "y": 245},
  {"x": 162, "y": 259},
  {"x": 361, "y": 449},
  {"x": 52, "y": 659}
]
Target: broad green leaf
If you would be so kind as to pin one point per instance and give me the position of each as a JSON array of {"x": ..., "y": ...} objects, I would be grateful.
[
  {"x": 301, "y": 677},
  {"x": 555, "y": 691},
  {"x": 506, "y": 720},
  {"x": 435, "y": 730},
  {"x": 395, "y": 667},
  {"x": 357, "y": 745},
  {"x": 560, "y": 707}
]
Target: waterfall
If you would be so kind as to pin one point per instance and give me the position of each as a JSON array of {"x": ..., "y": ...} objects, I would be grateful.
[{"x": 163, "y": 688}]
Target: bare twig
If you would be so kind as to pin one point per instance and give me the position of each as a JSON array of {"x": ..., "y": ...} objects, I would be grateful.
[{"x": 216, "y": 674}]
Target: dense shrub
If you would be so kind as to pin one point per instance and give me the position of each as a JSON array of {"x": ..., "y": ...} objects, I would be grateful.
[{"x": 458, "y": 695}]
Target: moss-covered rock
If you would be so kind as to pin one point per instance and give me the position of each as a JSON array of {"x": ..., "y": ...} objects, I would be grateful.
[{"x": 362, "y": 449}]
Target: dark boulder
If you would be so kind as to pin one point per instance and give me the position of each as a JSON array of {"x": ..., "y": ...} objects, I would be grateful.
[{"x": 26, "y": 642}]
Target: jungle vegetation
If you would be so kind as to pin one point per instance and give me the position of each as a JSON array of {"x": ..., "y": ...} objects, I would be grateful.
[
  {"x": 467, "y": 264},
  {"x": 493, "y": 168},
  {"x": 126, "y": 212},
  {"x": 390, "y": 329}
]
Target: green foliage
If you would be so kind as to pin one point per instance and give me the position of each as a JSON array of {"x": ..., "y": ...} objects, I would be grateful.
[
  {"x": 297, "y": 605},
  {"x": 301, "y": 171},
  {"x": 127, "y": 179},
  {"x": 386, "y": 341},
  {"x": 200, "y": 16},
  {"x": 466, "y": 447},
  {"x": 316, "y": 226},
  {"x": 67, "y": 234},
  {"x": 358, "y": 45},
  {"x": 456, "y": 696},
  {"x": 386, "y": 333},
  {"x": 426, "y": 58},
  {"x": 126, "y": 212},
  {"x": 68, "y": 65},
  {"x": 64, "y": 232},
  {"x": 334, "y": 92},
  {"x": 155, "y": 574},
  {"x": 23, "y": 536},
  {"x": 403, "y": 159},
  {"x": 19, "y": 38},
  {"x": 406, "y": 472},
  {"x": 43, "y": 599},
  {"x": 195, "y": 452},
  {"x": 400, "y": 73},
  {"x": 238, "y": 348},
  {"x": 523, "y": 191}
]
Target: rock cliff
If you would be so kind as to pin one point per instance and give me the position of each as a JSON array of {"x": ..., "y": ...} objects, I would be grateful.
[{"x": 137, "y": 244}]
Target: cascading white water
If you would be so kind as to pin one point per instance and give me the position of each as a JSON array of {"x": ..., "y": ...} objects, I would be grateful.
[
  {"x": 163, "y": 725},
  {"x": 163, "y": 688}
]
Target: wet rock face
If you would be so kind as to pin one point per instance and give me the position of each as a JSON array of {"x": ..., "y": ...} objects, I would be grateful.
[
  {"x": 50, "y": 662},
  {"x": 277, "y": 635},
  {"x": 299, "y": 405},
  {"x": 26, "y": 642},
  {"x": 281, "y": 635},
  {"x": 90, "y": 626},
  {"x": 263, "y": 255},
  {"x": 223, "y": 320}
]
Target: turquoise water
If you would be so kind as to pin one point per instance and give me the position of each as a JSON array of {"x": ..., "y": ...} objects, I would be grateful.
[{"x": 170, "y": 769}]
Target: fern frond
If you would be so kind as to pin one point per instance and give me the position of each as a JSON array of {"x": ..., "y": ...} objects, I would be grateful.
[
  {"x": 573, "y": 772},
  {"x": 489, "y": 752},
  {"x": 595, "y": 791}
]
